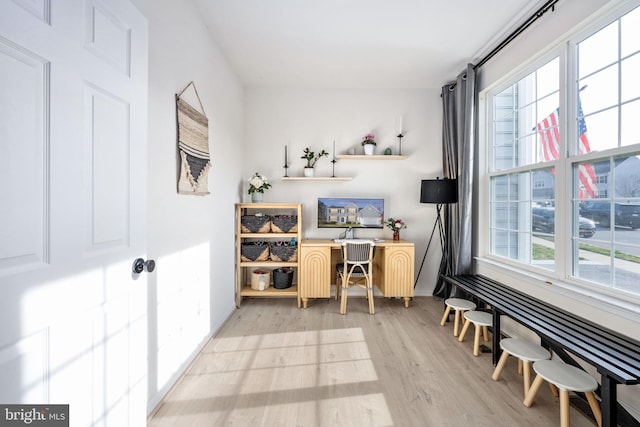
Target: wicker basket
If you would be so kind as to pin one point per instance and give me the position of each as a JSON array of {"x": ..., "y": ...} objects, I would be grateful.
[
  {"x": 283, "y": 252},
  {"x": 255, "y": 223},
  {"x": 254, "y": 251},
  {"x": 260, "y": 279},
  {"x": 284, "y": 224}
]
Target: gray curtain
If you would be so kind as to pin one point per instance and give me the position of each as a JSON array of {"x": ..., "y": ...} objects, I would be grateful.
[{"x": 458, "y": 141}]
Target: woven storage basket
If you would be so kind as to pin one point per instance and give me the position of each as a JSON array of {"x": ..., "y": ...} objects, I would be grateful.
[
  {"x": 283, "y": 252},
  {"x": 284, "y": 224},
  {"x": 255, "y": 223},
  {"x": 260, "y": 279},
  {"x": 254, "y": 251}
]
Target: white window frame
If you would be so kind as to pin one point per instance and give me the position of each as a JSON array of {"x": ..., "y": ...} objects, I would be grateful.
[{"x": 572, "y": 287}]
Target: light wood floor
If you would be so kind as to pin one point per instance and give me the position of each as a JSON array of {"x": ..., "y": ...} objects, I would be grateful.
[{"x": 273, "y": 364}]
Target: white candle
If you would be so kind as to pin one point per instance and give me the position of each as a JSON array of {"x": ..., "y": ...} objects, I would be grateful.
[
  {"x": 400, "y": 125},
  {"x": 334, "y": 150}
]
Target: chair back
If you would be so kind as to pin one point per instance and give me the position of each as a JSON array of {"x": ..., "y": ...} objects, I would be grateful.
[{"x": 358, "y": 251}]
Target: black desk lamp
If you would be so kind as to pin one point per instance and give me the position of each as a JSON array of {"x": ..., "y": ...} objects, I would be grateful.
[{"x": 439, "y": 192}]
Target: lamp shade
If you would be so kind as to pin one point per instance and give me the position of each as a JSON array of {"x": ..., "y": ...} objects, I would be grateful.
[{"x": 439, "y": 191}]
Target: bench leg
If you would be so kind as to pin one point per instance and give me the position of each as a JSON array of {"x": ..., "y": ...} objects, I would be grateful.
[{"x": 500, "y": 366}]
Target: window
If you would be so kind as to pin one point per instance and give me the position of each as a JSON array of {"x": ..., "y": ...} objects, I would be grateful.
[{"x": 564, "y": 164}]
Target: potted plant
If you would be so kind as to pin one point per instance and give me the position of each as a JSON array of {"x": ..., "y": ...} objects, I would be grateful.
[
  {"x": 312, "y": 158},
  {"x": 257, "y": 184},
  {"x": 395, "y": 225},
  {"x": 368, "y": 143}
]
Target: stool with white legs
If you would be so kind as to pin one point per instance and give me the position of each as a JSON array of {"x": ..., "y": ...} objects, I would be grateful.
[
  {"x": 526, "y": 352},
  {"x": 482, "y": 320},
  {"x": 567, "y": 378},
  {"x": 460, "y": 306}
]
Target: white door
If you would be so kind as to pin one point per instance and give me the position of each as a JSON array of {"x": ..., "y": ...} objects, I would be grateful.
[{"x": 73, "y": 315}]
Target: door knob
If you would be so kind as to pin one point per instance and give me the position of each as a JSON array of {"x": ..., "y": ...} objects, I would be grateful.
[{"x": 140, "y": 265}]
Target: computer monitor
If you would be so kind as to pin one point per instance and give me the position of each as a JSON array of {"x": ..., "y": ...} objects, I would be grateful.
[{"x": 350, "y": 212}]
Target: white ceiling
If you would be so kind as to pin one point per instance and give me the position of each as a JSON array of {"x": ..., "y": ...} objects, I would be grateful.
[{"x": 358, "y": 43}]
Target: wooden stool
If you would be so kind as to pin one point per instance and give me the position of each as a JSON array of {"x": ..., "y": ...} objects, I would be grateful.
[
  {"x": 526, "y": 352},
  {"x": 567, "y": 378},
  {"x": 459, "y": 305},
  {"x": 482, "y": 320}
]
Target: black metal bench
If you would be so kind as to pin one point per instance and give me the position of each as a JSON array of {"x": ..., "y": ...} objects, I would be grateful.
[{"x": 615, "y": 356}]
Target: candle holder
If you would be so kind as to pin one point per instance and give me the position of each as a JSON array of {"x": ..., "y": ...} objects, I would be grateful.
[
  {"x": 286, "y": 166},
  {"x": 400, "y": 136},
  {"x": 333, "y": 162}
]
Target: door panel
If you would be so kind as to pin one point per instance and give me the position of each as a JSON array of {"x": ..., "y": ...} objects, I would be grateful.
[
  {"x": 73, "y": 207},
  {"x": 23, "y": 166}
]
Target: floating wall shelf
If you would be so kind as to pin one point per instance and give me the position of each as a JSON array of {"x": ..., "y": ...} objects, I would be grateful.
[
  {"x": 316, "y": 178},
  {"x": 372, "y": 157}
]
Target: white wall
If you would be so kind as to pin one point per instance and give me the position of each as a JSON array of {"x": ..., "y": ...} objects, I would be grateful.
[
  {"x": 191, "y": 238},
  {"x": 315, "y": 118}
]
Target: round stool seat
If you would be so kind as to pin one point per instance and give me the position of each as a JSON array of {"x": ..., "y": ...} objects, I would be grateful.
[
  {"x": 565, "y": 377},
  {"x": 480, "y": 318},
  {"x": 524, "y": 350},
  {"x": 460, "y": 304}
]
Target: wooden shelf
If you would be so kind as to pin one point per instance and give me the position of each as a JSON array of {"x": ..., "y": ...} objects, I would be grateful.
[
  {"x": 372, "y": 157},
  {"x": 287, "y": 236},
  {"x": 246, "y": 291},
  {"x": 267, "y": 264},
  {"x": 316, "y": 178}
]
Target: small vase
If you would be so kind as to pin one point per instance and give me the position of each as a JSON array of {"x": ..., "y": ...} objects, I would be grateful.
[
  {"x": 368, "y": 149},
  {"x": 396, "y": 235},
  {"x": 256, "y": 197},
  {"x": 309, "y": 171}
]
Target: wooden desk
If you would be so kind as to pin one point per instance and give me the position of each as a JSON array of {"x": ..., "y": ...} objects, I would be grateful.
[
  {"x": 393, "y": 268},
  {"x": 615, "y": 356}
]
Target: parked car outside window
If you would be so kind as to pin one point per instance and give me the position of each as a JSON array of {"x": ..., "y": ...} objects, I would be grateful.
[
  {"x": 626, "y": 214},
  {"x": 543, "y": 220}
]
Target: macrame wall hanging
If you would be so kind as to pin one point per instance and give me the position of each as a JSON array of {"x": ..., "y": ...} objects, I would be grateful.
[{"x": 193, "y": 146}]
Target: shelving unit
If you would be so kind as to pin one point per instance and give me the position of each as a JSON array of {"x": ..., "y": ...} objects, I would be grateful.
[
  {"x": 371, "y": 157},
  {"x": 244, "y": 269}
]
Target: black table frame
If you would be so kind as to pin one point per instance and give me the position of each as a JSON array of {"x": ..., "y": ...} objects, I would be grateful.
[{"x": 615, "y": 356}]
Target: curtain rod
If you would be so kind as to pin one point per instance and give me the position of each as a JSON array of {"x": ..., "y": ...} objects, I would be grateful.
[{"x": 549, "y": 5}]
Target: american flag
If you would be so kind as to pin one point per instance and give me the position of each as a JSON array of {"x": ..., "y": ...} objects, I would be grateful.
[{"x": 550, "y": 138}]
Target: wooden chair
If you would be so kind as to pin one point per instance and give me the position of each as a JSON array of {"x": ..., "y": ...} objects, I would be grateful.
[
  {"x": 356, "y": 269},
  {"x": 566, "y": 378}
]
